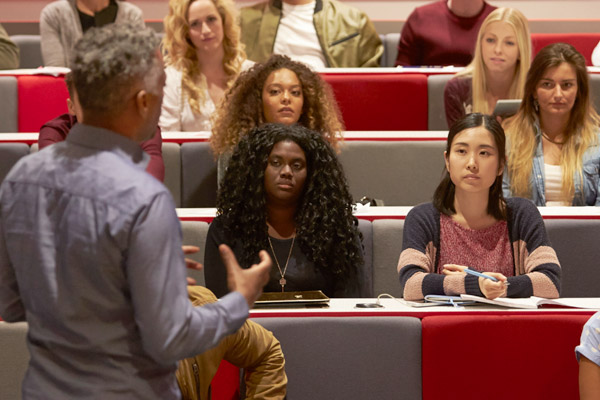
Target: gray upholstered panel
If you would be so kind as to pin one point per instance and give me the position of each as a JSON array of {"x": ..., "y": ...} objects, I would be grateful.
[
  {"x": 366, "y": 229},
  {"x": 595, "y": 90},
  {"x": 10, "y": 153},
  {"x": 334, "y": 358},
  {"x": 194, "y": 234},
  {"x": 436, "y": 119},
  {"x": 399, "y": 173},
  {"x": 30, "y": 50},
  {"x": 576, "y": 244},
  {"x": 387, "y": 246},
  {"x": 383, "y": 61},
  {"x": 391, "y": 48},
  {"x": 14, "y": 360},
  {"x": 9, "y": 112},
  {"x": 198, "y": 175},
  {"x": 172, "y": 159}
]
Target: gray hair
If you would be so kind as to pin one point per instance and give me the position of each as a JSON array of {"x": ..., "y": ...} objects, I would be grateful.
[{"x": 108, "y": 61}]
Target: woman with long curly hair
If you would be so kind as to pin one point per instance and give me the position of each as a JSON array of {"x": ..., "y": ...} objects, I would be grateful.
[
  {"x": 278, "y": 90},
  {"x": 204, "y": 55},
  {"x": 498, "y": 70},
  {"x": 554, "y": 140},
  {"x": 285, "y": 191}
]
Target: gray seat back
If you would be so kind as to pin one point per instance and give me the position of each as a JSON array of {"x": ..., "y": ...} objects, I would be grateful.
[
  {"x": 366, "y": 229},
  {"x": 390, "y": 43},
  {"x": 9, "y": 112},
  {"x": 198, "y": 175},
  {"x": 387, "y": 246},
  {"x": 576, "y": 244},
  {"x": 334, "y": 358},
  {"x": 436, "y": 118},
  {"x": 30, "y": 50},
  {"x": 172, "y": 158},
  {"x": 14, "y": 360},
  {"x": 10, "y": 153},
  {"x": 595, "y": 90},
  {"x": 403, "y": 173},
  {"x": 194, "y": 234}
]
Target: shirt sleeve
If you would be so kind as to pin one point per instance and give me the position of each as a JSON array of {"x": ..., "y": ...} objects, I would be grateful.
[
  {"x": 53, "y": 53},
  {"x": 9, "y": 51},
  {"x": 170, "y": 115},
  {"x": 11, "y": 306},
  {"x": 589, "y": 346},
  {"x": 537, "y": 269},
  {"x": 215, "y": 275},
  {"x": 408, "y": 49},
  {"x": 453, "y": 102},
  {"x": 156, "y": 166},
  {"x": 370, "y": 44},
  {"x": 170, "y": 327},
  {"x": 417, "y": 268}
]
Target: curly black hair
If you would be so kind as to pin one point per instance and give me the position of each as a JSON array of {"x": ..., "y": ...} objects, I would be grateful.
[{"x": 326, "y": 230}]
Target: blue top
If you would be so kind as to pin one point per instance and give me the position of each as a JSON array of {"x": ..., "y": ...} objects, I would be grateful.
[
  {"x": 90, "y": 257},
  {"x": 590, "y": 340},
  {"x": 587, "y": 194}
]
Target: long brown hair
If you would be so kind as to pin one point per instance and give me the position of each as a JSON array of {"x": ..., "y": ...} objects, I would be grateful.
[{"x": 581, "y": 128}]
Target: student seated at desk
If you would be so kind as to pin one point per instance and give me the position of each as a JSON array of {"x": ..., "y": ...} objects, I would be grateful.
[
  {"x": 285, "y": 190},
  {"x": 588, "y": 355},
  {"x": 470, "y": 224}
]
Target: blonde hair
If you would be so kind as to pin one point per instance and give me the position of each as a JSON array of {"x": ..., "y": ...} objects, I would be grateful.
[
  {"x": 180, "y": 53},
  {"x": 581, "y": 132},
  {"x": 476, "y": 69}
]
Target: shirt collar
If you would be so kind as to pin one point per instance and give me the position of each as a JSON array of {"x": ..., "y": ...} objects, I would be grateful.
[{"x": 104, "y": 139}]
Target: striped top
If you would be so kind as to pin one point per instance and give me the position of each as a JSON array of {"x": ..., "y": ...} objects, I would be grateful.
[{"x": 535, "y": 265}]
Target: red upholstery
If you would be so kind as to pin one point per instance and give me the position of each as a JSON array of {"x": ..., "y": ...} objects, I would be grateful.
[
  {"x": 583, "y": 42},
  {"x": 381, "y": 102},
  {"x": 41, "y": 98},
  {"x": 501, "y": 357},
  {"x": 226, "y": 382}
]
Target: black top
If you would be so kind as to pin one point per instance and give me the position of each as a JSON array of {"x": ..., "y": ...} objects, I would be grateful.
[
  {"x": 103, "y": 17},
  {"x": 301, "y": 273}
]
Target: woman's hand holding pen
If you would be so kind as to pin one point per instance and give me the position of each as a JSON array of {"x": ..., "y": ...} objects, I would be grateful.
[{"x": 491, "y": 289}]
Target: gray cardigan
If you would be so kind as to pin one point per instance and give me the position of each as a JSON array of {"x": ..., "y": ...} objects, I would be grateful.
[{"x": 60, "y": 28}]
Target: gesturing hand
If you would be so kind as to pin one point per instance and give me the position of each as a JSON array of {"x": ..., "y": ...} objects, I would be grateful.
[{"x": 249, "y": 282}]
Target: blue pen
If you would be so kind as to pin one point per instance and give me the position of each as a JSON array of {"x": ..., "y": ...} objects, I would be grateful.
[{"x": 479, "y": 274}]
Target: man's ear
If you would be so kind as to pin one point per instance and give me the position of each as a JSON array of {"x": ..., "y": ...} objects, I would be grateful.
[
  {"x": 142, "y": 102},
  {"x": 70, "y": 106}
]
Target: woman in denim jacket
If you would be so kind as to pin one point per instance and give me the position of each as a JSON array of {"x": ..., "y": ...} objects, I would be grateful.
[{"x": 554, "y": 140}]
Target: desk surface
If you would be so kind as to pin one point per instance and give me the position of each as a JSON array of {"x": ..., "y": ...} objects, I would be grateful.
[{"x": 395, "y": 308}]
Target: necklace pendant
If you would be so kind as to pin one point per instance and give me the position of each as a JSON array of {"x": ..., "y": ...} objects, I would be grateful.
[{"x": 282, "y": 282}]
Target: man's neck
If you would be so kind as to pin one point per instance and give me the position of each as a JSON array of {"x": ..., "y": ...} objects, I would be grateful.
[
  {"x": 91, "y": 6},
  {"x": 465, "y": 8},
  {"x": 297, "y": 2}
]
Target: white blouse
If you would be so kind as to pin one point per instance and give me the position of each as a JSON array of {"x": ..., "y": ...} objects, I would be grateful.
[
  {"x": 177, "y": 115},
  {"x": 553, "y": 185}
]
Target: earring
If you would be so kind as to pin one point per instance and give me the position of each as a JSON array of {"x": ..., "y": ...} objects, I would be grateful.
[{"x": 536, "y": 105}]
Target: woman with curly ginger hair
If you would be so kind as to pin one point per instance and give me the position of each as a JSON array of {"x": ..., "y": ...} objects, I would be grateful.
[
  {"x": 285, "y": 191},
  {"x": 204, "y": 55},
  {"x": 278, "y": 90}
]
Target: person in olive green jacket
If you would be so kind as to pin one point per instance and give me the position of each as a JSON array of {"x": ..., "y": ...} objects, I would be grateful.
[
  {"x": 252, "y": 347},
  {"x": 321, "y": 33},
  {"x": 9, "y": 52}
]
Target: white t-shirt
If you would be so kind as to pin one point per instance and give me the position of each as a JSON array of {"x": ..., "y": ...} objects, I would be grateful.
[
  {"x": 297, "y": 36},
  {"x": 596, "y": 56},
  {"x": 553, "y": 185}
]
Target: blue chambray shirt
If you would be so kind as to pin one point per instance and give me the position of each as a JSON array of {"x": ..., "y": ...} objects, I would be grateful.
[
  {"x": 587, "y": 193},
  {"x": 90, "y": 257}
]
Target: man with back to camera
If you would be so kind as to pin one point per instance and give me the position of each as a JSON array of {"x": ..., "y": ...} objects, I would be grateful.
[
  {"x": 320, "y": 33},
  {"x": 442, "y": 33},
  {"x": 90, "y": 244}
]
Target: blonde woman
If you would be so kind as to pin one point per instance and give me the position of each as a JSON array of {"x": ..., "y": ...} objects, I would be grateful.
[
  {"x": 204, "y": 55},
  {"x": 554, "y": 152},
  {"x": 498, "y": 70}
]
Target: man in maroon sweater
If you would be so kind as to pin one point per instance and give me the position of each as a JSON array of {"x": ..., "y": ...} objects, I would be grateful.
[
  {"x": 56, "y": 130},
  {"x": 442, "y": 33}
]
